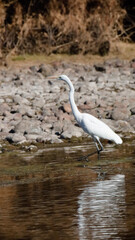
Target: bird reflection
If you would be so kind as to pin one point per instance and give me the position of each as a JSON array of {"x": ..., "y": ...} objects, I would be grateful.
[{"x": 101, "y": 209}]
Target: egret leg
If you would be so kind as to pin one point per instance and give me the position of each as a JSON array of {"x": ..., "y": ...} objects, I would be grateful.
[
  {"x": 100, "y": 144},
  {"x": 99, "y": 149}
]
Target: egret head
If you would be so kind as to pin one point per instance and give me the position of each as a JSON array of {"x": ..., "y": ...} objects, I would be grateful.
[
  {"x": 67, "y": 80},
  {"x": 63, "y": 78}
]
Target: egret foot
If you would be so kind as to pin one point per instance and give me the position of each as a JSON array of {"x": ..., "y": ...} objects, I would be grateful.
[{"x": 85, "y": 158}]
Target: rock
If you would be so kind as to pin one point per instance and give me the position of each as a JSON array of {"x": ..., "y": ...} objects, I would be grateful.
[
  {"x": 124, "y": 126},
  {"x": 12, "y": 124},
  {"x": 34, "y": 69},
  {"x": 46, "y": 70},
  {"x": 51, "y": 138},
  {"x": 19, "y": 100},
  {"x": 17, "y": 116},
  {"x": 87, "y": 106},
  {"x": 39, "y": 102},
  {"x": 64, "y": 116},
  {"x": 32, "y": 137},
  {"x": 100, "y": 67},
  {"x": 132, "y": 63},
  {"x": 31, "y": 148},
  {"x": 57, "y": 127},
  {"x": 131, "y": 121},
  {"x": 16, "y": 138},
  {"x": 28, "y": 127},
  {"x": 55, "y": 139},
  {"x": 16, "y": 77},
  {"x": 3, "y": 135},
  {"x": 120, "y": 113},
  {"x": 5, "y": 126},
  {"x": 132, "y": 111},
  {"x": 12, "y": 116},
  {"x": 4, "y": 107},
  {"x": 46, "y": 127},
  {"x": 26, "y": 110},
  {"x": 67, "y": 108},
  {"x": 72, "y": 131}
]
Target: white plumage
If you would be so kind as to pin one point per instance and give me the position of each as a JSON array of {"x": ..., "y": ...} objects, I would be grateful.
[
  {"x": 90, "y": 124},
  {"x": 97, "y": 128}
]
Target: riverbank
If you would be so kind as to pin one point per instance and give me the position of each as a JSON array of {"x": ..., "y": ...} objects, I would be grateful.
[{"x": 36, "y": 109}]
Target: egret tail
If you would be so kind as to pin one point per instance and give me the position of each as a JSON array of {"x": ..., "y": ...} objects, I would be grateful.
[{"x": 118, "y": 140}]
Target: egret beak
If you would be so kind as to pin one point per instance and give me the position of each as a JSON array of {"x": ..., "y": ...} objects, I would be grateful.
[{"x": 52, "y": 77}]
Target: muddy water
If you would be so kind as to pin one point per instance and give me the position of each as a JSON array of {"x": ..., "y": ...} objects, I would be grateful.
[{"x": 49, "y": 194}]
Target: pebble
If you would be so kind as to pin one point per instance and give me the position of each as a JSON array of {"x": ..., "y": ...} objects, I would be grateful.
[
  {"x": 132, "y": 111},
  {"x": 31, "y": 148},
  {"x": 72, "y": 131},
  {"x": 34, "y": 108},
  {"x": 16, "y": 138}
]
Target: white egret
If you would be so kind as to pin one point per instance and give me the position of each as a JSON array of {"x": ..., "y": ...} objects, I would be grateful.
[{"x": 90, "y": 124}]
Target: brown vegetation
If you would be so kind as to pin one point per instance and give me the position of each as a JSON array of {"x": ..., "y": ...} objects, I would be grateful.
[{"x": 54, "y": 26}]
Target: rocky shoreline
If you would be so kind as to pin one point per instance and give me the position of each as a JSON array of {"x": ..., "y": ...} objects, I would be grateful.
[{"x": 34, "y": 108}]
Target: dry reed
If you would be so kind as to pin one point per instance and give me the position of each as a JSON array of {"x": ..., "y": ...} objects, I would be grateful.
[{"x": 54, "y": 26}]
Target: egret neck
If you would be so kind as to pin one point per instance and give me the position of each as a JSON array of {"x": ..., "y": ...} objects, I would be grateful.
[{"x": 75, "y": 110}]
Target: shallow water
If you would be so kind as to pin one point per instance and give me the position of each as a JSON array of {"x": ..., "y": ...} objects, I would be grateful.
[{"x": 50, "y": 195}]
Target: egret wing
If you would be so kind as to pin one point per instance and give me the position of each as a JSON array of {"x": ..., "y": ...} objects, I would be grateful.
[{"x": 96, "y": 127}]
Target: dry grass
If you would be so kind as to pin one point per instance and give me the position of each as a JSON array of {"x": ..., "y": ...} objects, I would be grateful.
[
  {"x": 121, "y": 51},
  {"x": 71, "y": 27}
]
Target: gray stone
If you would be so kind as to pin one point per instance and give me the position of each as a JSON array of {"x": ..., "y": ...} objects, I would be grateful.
[
  {"x": 48, "y": 138},
  {"x": 67, "y": 108},
  {"x": 131, "y": 121},
  {"x": 31, "y": 148},
  {"x": 57, "y": 127},
  {"x": 28, "y": 127},
  {"x": 34, "y": 69},
  {"x": 120, "y": 113},
  {"x": 46, "y": 70},
  {"x": 123, "y": 126},
  {"x": 39, "y": 102},
  {"x": 72, "y": 131},
  {"x": 46, "y": 127},
  {"x": 3, "y": 108},
  {"x": 26, "y": 110},
  {"x": 32, "y": 137},
  {"x": 16, "y": 138},
  {"x": 132, "y": 111},
  {"x": 19, "y": 100},
  {"x": 100, "y": 67},
  {"x": 55, "y": 139}
]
